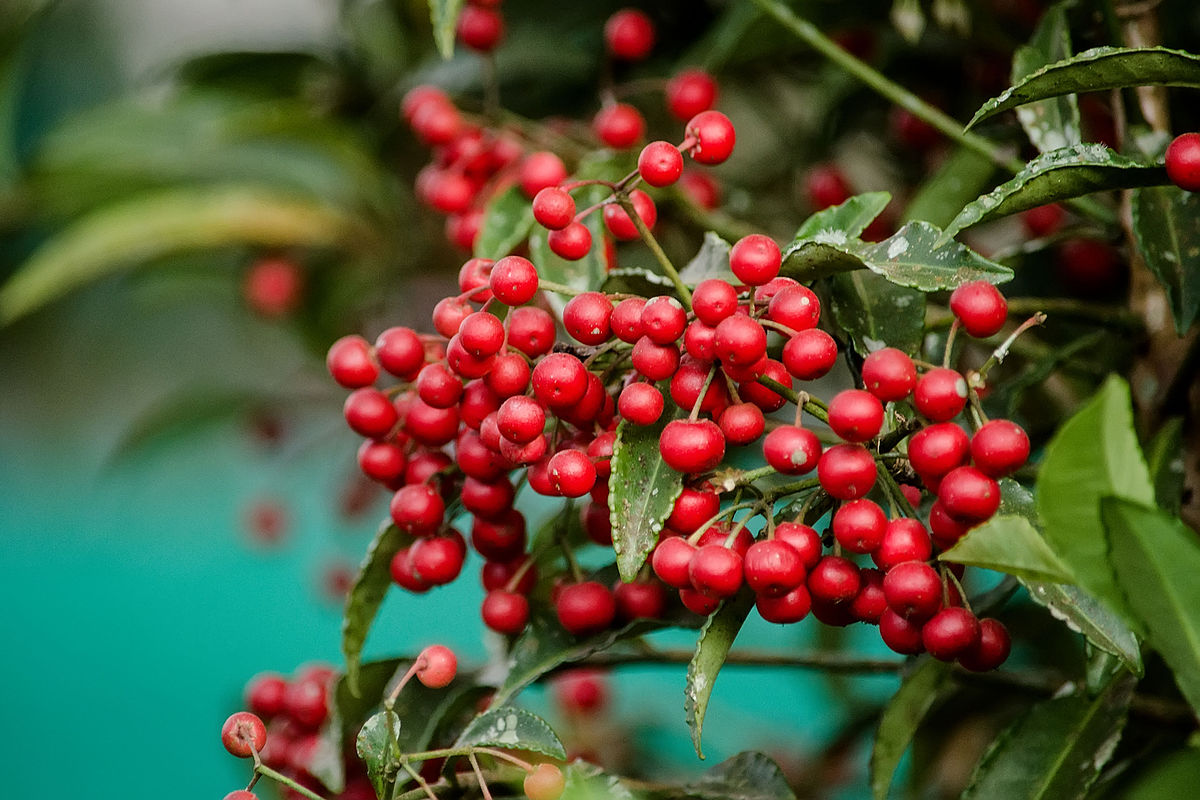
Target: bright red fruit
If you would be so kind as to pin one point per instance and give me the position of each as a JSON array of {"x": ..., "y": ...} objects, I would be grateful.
[
  {"x": 690, "y": 92},
  {"x": 629, "y": 34},
  {"x": 660, "y": 163},
  {"x": 773, "y": 568},
  {"x": 855, "y": 415},
  {"x": 889, "y": 374},
  {"x": 941, "y": 394},
  {"x": 620, "y": 126},
  {"x": 714, "y": 135},
  {"x": 950, "y": 633},
  {"x": 847, "y": 471},
  {"x": 1000, "y": 448},
  {"x": 243, "y": 733},
  {"x": 792, "y": 450},
  {"x": 1183, "y": 161},
  {"x": 755, "y": 259},
  {"x": 692, "y": 446},
  {"x": 586, "y": 607},
  {"x": 980, "y": 308}
]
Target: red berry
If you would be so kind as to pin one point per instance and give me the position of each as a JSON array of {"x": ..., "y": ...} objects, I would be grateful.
[
  {"x": 654, "y": 361},
  {"x": 701, "y": 189},
  {"x": 403, "y": 573},
  {"x": 698, "y": 602},
  {"x": 559, "y": 380},
  {"x": 448, "y": 316},
  {"x": 382, "y": 461},
  {"x": 672, "y": 560},
  {"x": 767, "y": 399},
  {"x": 870, "y": 602},
  {"x": 572, "y": 473},
  {"x": 585, "y": 608},
  {"x": 742, "y": 423},
  {"x": 740, "y": 341},
  {"x": 431, "y": 426},
  {"x": 834, "y": 580},
  {"x": 692, "y": 509},
  {"x": 401, "y": 352},
  {"x": 714, "y": 135},
  {"x": 351, "y": 364},
  {"x": 640, "y": 600},
  {"x": 796, "y": 306},
  {"x": 618, "y": 222},
  {"x": 803, "y": 539},
  {"x": 900, "y": 635},
  {"x": 792, "y": 450},
  {"x": 714, "y": 300},
  {"x": 1043, "y": 220},
  {"x": 889, "y": 374},
  {"x": 544, "y": 782},
  {"x": 370, "y": 413},
  {"x": 241, "y": 794},
  {"x": 716, "y": 570},
  {"x": 509, "y": 376},
  {"x": 904, "y": 539},
  {"x": 626, "y": 319},
  {"x": 572, "y": 242},
  {"x": 420, "y": 96},
  {"x": 580, "y": 691},
  {"x": 785, "y": 609},
  {"x": 243, "y": 733},
  {"x": 980, "y": 308},
  {"x": 692, "y": 445},
  {"x": 436, "y": 666},
  {"x": 437, "y": 386},
  {"x": 499, "y": 539},
  {"x": 913, "y": 590},
  {"x": 941, "y": 394},
  {"x": 553, "y": 208},
  {"x": 946, "y": 529},
  {"x": 950, "y": 633},
  {"x": 663, "y": 319},
  {"x": 689, "y": 92},
  {"x": 1183, "y": 161},
  {"x": 586, "y": 318},
  {"x": 629, "y": 34},
  {"x": 619, "y": 126},
  {"x": 436, "y": 123},
  {"x": 417, "y": 508},
  {"x": 855, "y": 415},
  {"x": 539, "y": 170},
  {"x": 437, "y": 560},
  {"x": 859, "y": 526},
  {"x": 810, "y": 354},
  {"x": 755, "y": 259},
  {"x": 480, "y": 28},
  {"x": 846, "y": 471},
  {"x": 514, "y": 280},
  {"x": 773, "y": 568},
  {"x": 1000, "y": 448},
  {"x": 969, "y": 495},
  {"x": 826, "y": 186},
  {"x": 265, "y": 694},
  {"x": 990, "y": 650},
  {"x": 505, "y": 612},
  {"x": 700, "y": 341},
  {"x": 272, "y": 286},
  {"x": 640, "y": 403},
  {"x": 937, "y": 449},
  {"x": 462, "y": 230},
  {"x": 1089, "y": 268}
]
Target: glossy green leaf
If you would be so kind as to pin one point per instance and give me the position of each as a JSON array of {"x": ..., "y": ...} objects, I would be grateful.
[
  {"x": 1164, "y": 458},
  {"x": 850, "y": 218},
  {"x": 642, "y": 492},
  {"x": 1095, "y": 454},
  {"x": 746, "y": 776},
  {"x": 443, "y": 14},
  {"x": 506, "y": 222},
  {"x": 1096, "y": 70},
  {"x": 376, "y": 746},
  {"x": 915, "y": 256},
  {"x": 711, "y": 261},
  {"x": 1087, "y": 616},
  {"x": 716, "y": 638},
  {"x": 157, "y": 224},
  {"x": 872, "y": 312},
  {"x": 347, "y": 713},
  {"x": 1174, "y": 776},
  {"x": 512, "y": 728},
  {"x": 1056, "y": 750},
  {"x": 1057, "y": 176},
  {"x": 1157, "y": 563},
  {"x": 631, "y": 280},
  {"x": 1164, "y": 222},
  {"x": 1009, "y": 544},
  {"x": 1054, "y": 122},
  {"x": 963, "y": 176},
  {"x": 923, "y": 688},
  {"x": 365, "y": 597}
]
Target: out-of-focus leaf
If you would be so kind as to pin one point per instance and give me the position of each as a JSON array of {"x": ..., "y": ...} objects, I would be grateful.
[
  {"x": 1054, "y": 122},
  {"x": 513, "y": 728},
  {"x": 347, "y": 714},
  {"x": 1009, "y": 544},
  {"x": 444, "y": 16},
  {"x": 1176, "y": 775},
  {"x": 279, "y": 73},
  {"x": 156, "y": 224},
  {"x": 923, "y": 688},
  {"x": 1164, "y": 223},
  {"x": 642, "y": 492},
  {"x": 712, "y": 647},
  {"x": 506, "y": 222},
  {"x": 746, "y": 776},
  {"x": 365, "y": 597},
  {"x": 588, "y": 782},
  {"x": 711, "y": 261},
  {"x": 961, "y": 179}
]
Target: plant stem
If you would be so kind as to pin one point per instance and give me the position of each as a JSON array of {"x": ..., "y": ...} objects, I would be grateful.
[
  {"x": 685, "y": 294},
  {"x": 279, "y": 777},
  {"x": 558, "y": 288},
  {"x": 773, "y": 494},
  {"x": 811, "y": 405}
]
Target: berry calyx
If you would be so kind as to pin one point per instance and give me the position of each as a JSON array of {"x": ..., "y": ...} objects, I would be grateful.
[
  {"x": 436, "y": 666},
  {"x": 243, "y": 733}
]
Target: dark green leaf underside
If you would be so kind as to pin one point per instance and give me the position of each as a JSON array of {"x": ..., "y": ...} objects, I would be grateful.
[{"x": 716, "y": 639}]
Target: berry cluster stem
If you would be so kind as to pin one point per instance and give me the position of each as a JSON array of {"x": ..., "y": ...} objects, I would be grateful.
[
  {"x": 279, "y": 777},
  {"x": 685, "y": 294}
]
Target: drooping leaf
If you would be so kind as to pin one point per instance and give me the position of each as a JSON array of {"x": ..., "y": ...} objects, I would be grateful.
[
  {"x": 161, "y": 223},
  {"x": 1096, "y": 70},
  {"x": 710, "y": 261},
  {"x": 1056, "y": 751},
  {"x": 962, "y": 178},
  {"x": 1157, "y": 560},
  {"x": 1009, "y": 544},
  {"x": 924, "y": 688},
  {"x": 716, "y": 638},
  {"x": 365, "y": 597},
  {"x": 189, "y": 410},
  {"x": 512, "y": 728},
  {"x": 347, "y": 713},
  {"x": 376, "y": 746},
  {"x": 746, "y": 776},
  {"x": 265, "y": 73},
  {"x": 506, "y": 222},
  {"x": 1085, "y": 615},
  {"x": 873, "y": 312},
  {"x": 916, "y": 257},
  {"x": 642, "y": 492},
  {"x": 1095, "y": 454},
  {"x": 1164, "y": 222},
  {"x": 1053, "y": 177},
  {"x": 631, "y": 280},
  {"x": 1164, "y": 457},
  {"x": 1054, "y": 122},
  {"x": 443, "y": 14},
  {"x": 850, "y": 218}
]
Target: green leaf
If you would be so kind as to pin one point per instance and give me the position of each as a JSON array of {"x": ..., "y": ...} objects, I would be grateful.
[
  {"x": 711, "y": 261},
  {"x": 515, "y": 728},
  {"x": 1085, "y": 615},
  {"x": 642, "y": 492},
  {"x": 1164, "y": 222},
  {"x": 961, "y": 179},
  {"x": 1096, "y": 70},
  {"x": 443, "y": 14},
  {"x": 851, "y": 218},
  {"x": 347, "y": 714},
  {"x": 1157, "y": 560},
  {"x": 1054, "y": 122},
  {"x": 1056, "y": 751},
  {"x": 365, "y": 597},
  {"x": 915, "y": 256},
  {"x": 157, "y": 224},
  {"x": 631, "y": 280},
  {"x": 1009, "y": 544},
  {"x": 1057, "y": 176},
  {"x": 873, "y": 312},
  {"x": 588, "y": 782},
  {"x": 376, "y": 746},
  {"x": 1095, "y": 454},
  {"x": 506, "y": 223},
  {"x": 585, "y": 274},
  {"x": 1164, "y": 457},
  {"x": 923, "y": 688},
  {"x": 746, "y": 776},
  {"x": 716, "y": 638},
  {"x": 1176, "y": 775}
]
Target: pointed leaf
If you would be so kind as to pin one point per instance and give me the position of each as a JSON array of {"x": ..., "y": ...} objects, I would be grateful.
[
  {"x": 631, "y": 280},
  {"x": 512, "y": 728},
  {"x": 1085, "y": 615},
  {"x": 365, "y": 597},
  {"x": 1054, "y": 122},
  {"x": 1164, "y": 222},
  {"x": 506, "y": 222},
  {"x": 1095, "y": 454},
  {"x": 1157, "y": 560},
  {"x": 873, "y": 312},
  {"x": 1056, "y": 751},
  {"x": 1009, "y": 544},
  {"x": 1096, "y": 70},
  {"x": 923, "y": 688},
  {"x": 376, "y": 746},
  {"x": 746, "y": 776},
  {"x": 347, "y": 713},
  {"x": 443, "y": 14},
  {"x": 711, "y": 261},
  {"x": 716, "y": 638},
  {"x": 642, "y": 492},
  {"x": 1057, "y": 176},
  {"x": 851, "y": 218},
  {"x": 915, "y": 256}
]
